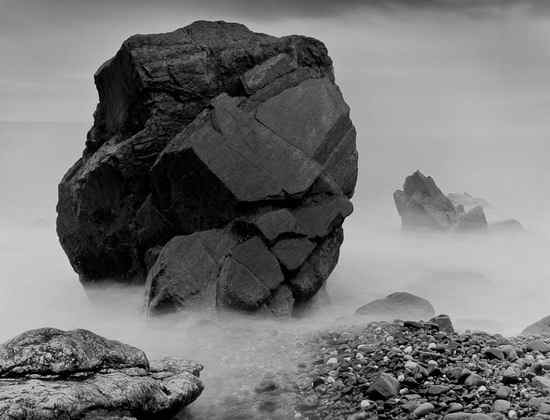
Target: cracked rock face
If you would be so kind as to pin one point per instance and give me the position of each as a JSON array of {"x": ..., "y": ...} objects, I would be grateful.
[
  {"x": 219, "y": 170},
  {"x": 53, "y": 374}
]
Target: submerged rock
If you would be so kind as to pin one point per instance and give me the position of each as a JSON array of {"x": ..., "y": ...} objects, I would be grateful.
[
  {"x": 212, "y": 131},
  {"x": 53, "y": 374},
  {"x": 399, "y": 305}
]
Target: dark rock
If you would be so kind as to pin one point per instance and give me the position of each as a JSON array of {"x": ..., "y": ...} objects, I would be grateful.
[
  {"x": 292, "y": 253},
  {"x": 281, "y": 303},
  {"x": 54, "y": 374},
  {"x": 312, "y": 275},
  {"x": 399, "y": 305},
  {"x": 212, "y": 128},
  {"x": 185, "y": 272},
  {"x": 384, "y": 387},
  {"x": 444, "y": 323},
  {"x": 278, "y": 222},
  {"x": 248, "y": 276},
  {"x": 510, "y": 376},
  {"x": 421, "y": 204}
]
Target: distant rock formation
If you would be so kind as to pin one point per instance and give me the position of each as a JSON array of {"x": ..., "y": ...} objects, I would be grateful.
[
  {"x": 220, "y": 168},
  {"x": 399, "y": 305},
  {"x": 422, "y": 205},
  {"x": 53, "y": 374}
]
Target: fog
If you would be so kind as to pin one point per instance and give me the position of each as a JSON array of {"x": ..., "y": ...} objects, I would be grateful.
[{"x": 462, "y": 97}]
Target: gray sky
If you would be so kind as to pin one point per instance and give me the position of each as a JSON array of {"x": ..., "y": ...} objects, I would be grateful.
[{"x": 457, "y": 88}]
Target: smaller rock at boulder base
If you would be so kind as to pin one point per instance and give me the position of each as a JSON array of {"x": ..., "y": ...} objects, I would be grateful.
[
  {"x": 444, "y": 323},
  {"x": 399, "y": 305}
]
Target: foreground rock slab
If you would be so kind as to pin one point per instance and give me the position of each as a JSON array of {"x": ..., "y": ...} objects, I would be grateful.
[
  {"x": 53, "y": 374},
  {"x": 213, "y": 133}
]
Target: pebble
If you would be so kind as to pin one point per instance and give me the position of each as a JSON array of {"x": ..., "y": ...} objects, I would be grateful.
[
  {"x": 332, "y": 361},
  {"x": 410, "y": 370},
  {"x": 423, "y": 409},
  {"x": 501, "y": 406}
]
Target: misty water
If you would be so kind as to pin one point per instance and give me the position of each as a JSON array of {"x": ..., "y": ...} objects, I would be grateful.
[
  {"x": 497, "y": 283},
  {"x": 442, "y": 93}
]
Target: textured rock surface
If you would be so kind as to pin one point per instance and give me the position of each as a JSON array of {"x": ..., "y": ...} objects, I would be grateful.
[
  {"x": 399, "y": 305},
  {"x": 422, "y": 205},
  {"x": 54, "y": 374},
  {"x": 49, "y": 351},
  {"x": 212, "y": 128}
]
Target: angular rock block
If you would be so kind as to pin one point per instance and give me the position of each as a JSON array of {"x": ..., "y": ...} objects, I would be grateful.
[{"x": 219, "y": 169}]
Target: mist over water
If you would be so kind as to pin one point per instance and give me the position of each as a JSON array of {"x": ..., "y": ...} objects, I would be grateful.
[{"x": 463, "y": 99}]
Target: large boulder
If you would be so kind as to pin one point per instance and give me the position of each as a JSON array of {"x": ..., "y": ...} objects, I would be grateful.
[
  {"x": 53, "y": 374},
  {"x": 398, "y": 305},
  {"x": 212, "y": 133}
]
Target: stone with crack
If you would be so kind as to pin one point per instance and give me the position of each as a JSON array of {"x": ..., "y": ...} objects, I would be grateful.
[{"x": 213, "y": 128}]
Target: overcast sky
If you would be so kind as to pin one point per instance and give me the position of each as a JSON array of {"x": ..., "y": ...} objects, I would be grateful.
[{"x": 457, "y": 88}]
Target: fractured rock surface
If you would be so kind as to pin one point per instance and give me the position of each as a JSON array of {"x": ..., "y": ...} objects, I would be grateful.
[
  {"x": 53, "y": 374},
  {"x": 219, "y": 169}
]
